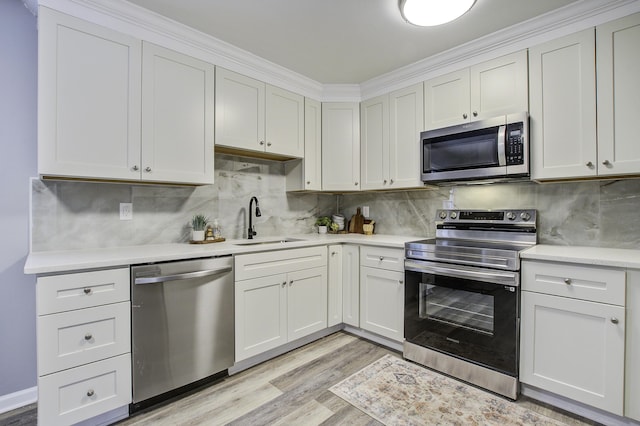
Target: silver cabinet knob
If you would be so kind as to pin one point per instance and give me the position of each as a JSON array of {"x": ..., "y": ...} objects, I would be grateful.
[
  {"x": 268, "y": 143},
  {"x": 384, "y": 182},
  {"x": 464, "y": 115},
  {"x": 308, "y": 182},
  {"x": 90, "y": 393},
  {"x": 291, "y": 283},
  {"x": 381, "y": 258},
  {"x": 88, "y": 336},
  {"x": 475, "y": 113},
  {"x": 589, "y": 164},
  {"x": 135, "y": 168},
  {"x": 356, "y": 183},
  {"x": 333, "y": 253},
  {"x": 567, "y": 281},
  {"x": 606, "y": 163},
  {"x": 401, "y": 282},
  {"x": 261, "y": 142},
  {"x": 391, "y": 182},
  {"x": 147, "y": 169},
  {"x": 614, "y": 320},
  {"x": 284, "y": 284},
  {"x": 87, "y": 291}
]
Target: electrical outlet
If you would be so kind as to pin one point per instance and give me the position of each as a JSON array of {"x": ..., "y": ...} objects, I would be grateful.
[
  {"x": 365, "y": 211},
  {"x": 126, "y": 211}
]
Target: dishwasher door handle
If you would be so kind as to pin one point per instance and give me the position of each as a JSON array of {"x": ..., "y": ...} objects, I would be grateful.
[{"x": 184, "y": 276}]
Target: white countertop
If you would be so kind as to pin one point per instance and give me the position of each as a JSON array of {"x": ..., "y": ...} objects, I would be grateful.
[
  {"x": 72, "y": 260},
  {"x": 621, "y": 258}
]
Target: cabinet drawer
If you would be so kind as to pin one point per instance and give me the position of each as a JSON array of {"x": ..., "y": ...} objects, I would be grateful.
[
  {"x": 382, "y": 258},
  {"x": 83, "y": 392},
  {"x": 59, "y": 293},
  {"x": 597, "y": 284},
  {"x": 73, "y": 338},
  {"x": 277, "y": 262}
]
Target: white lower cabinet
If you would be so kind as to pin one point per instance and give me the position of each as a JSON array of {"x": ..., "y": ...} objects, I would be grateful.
[
  {"x": 632, "y": 347},
  {"x": 285, "y": 304},
  {"x": 335, "y": 266},
  {"x": 570, "y": 345},
  {"x": 84, "y": 345},
  {"x": 382, "y": 292},
  {"x": 351, "y": 285}
]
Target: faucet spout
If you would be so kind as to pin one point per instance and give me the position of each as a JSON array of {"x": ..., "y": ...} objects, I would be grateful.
[{"x": 252, "y": 232}]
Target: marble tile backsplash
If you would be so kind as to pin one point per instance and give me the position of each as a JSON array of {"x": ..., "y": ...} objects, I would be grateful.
[{"x": 77, "y": 215}]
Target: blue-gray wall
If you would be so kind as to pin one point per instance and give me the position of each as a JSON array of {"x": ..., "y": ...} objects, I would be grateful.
[{"x": 18, "y": 105}]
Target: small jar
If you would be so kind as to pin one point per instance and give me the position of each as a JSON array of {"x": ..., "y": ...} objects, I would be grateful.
[{"x": 217, "y": 230}]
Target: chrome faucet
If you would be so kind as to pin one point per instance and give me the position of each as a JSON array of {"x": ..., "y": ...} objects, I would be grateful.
[{"x": 252, "y": 231}]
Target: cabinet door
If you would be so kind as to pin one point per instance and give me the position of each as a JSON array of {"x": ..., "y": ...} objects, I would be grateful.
[
  {"x": 632, "y": 347},
  {"x": 618, "y": 65},
  {"x": 261, "y": 315},
  {"x": 446, "y": 100},
  {"x": 312, "y": 145},
  {"x": 499, "y": 86},
  {"x": 240, "y": 104},
  {"x": 306, "y": 302},
  {"x": 574, "y": 348},
  {"x": 382, "y": 302},
  {"x": 340, "y": 146},
  {"x": 334, "y": 285},
  {"x": 88, "y": 99},
  {"x": 374, "y": 149},
  {"x": 563, "y": 107},
  {"x": 177, "y": 117},
  {"x": 284, "y": 122},
  {"x": 351, "y": 285},
  {"x": 406, "y": 121}
]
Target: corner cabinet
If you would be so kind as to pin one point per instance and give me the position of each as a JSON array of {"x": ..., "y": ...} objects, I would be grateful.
[
  {"x": 84, "y": 345},
  {"x": 573, "y": 332},
  {"x": 257, "y": 117},
  {"x": 306, "y": 174},
  {"x": 341, "y": 146},
  {"x": 280, "y": 296},
  {"x": 351, "y": 285},
  {"x": 492, "y": 88},
  {"x": 112, "y": 107},
  {"x": 390, "y": 129},
  {"x": 334, "y": 294}
]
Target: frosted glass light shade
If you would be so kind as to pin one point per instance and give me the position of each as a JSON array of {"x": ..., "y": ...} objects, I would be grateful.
[{"x": 426, "y": 13}]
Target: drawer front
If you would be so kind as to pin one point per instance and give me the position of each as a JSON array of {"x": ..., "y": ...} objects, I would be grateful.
[
  {"x": 84, "y": 392},
  {"x": 59, "y": 293},
  {"x": 73, "y": 338},
  {"x": 597, "y": 284},
  {"x": 382, "y": 258},
  {"x": 248, "y": 266}
]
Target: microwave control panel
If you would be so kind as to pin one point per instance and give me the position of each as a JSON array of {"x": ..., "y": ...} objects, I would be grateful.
[{"x": 515, "y": 144}]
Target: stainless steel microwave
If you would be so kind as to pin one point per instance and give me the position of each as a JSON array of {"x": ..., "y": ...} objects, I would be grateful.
[{"x": 493, "y": 148}]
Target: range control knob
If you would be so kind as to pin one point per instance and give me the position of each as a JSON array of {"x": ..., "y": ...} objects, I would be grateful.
[
  {"x": 525, "y": 216},
  {"x": 511, "y": 216},
  {"x": 453, "y": 215},
  {"x": 443, "y": 215}
]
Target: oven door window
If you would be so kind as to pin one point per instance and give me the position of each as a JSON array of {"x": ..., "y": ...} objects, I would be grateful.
[
  {"x": 475, "y": 149},
  {"x": 473, "y": 320}
]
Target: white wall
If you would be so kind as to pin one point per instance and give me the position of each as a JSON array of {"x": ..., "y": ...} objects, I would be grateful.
[{"x": 18, "y": 105}]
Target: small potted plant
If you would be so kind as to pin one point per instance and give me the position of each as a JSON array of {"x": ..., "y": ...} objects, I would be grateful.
[
  {"x": 198, "y": 223},
  {"x": 322, "y": 223}
]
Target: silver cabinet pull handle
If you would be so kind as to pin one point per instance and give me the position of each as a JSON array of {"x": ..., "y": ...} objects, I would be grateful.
[
  {"x": 88, "y": 336},
  {"x": 614, "y": 320},
  {"x": 90, "y": 393},
  {"x": 567, "y": 281},
  {"x": 87, "y": 290}
]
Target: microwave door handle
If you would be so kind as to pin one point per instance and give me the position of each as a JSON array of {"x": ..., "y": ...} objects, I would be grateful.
[{"x": 502, "y": 158}]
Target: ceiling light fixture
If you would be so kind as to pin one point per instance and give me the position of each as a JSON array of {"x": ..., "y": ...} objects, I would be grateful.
[{"x": 427, "y": 13}]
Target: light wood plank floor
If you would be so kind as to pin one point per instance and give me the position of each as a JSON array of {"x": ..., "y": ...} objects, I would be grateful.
[{"x": 292, "y": 389}]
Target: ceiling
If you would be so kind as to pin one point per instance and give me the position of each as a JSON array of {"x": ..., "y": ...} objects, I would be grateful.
[{"x": 341, "y": 41}]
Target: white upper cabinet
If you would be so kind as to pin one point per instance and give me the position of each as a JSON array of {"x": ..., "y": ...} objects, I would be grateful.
[
  {"x": 177, "y": 117},
  {"x": 341, "y": 146},
  {"x": 390, "y": 128},
  {"x": 88, "y": 99},
  {"x": 312, "y": 145},
  {"x": 489, "y": 89},
  {"x": 254, "y": 116},
  {"x": 563, "y": 107},
  {"x": 618, "y": 68},
  {"x": 569, "y": 139}
]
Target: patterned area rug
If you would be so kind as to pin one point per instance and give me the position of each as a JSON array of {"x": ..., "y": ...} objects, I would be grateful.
[{"x": 396, "y": 392}]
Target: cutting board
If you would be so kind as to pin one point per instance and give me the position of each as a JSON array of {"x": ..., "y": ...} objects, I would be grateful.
[{"x": 356, "y": 222}]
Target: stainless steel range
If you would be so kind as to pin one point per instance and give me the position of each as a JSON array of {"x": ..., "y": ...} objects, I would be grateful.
[{"x": 462, "y": 296}]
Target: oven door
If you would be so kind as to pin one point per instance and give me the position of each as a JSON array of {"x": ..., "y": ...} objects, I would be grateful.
[{"x": 467, "y": 312}]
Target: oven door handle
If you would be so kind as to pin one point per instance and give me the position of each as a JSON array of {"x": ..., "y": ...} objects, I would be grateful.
[{"x": 510, "y": 278}]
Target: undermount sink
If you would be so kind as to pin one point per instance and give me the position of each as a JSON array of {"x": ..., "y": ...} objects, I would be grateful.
[{"x": 270, "y": 241}]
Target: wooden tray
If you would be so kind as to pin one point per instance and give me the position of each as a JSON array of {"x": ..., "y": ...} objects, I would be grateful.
[{"x": 217, "y": 240}]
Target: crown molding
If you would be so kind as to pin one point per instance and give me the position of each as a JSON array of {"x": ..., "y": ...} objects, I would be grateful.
[
  {"x": 569, "y": 19},
  {"x": 136, "y": 21}
]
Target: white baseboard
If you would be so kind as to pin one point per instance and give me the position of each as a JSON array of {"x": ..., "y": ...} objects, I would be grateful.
[{"x": 18, "y": 399}]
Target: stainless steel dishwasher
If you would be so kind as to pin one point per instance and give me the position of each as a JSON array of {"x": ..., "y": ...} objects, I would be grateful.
[{"x": 182, "y": 326}]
